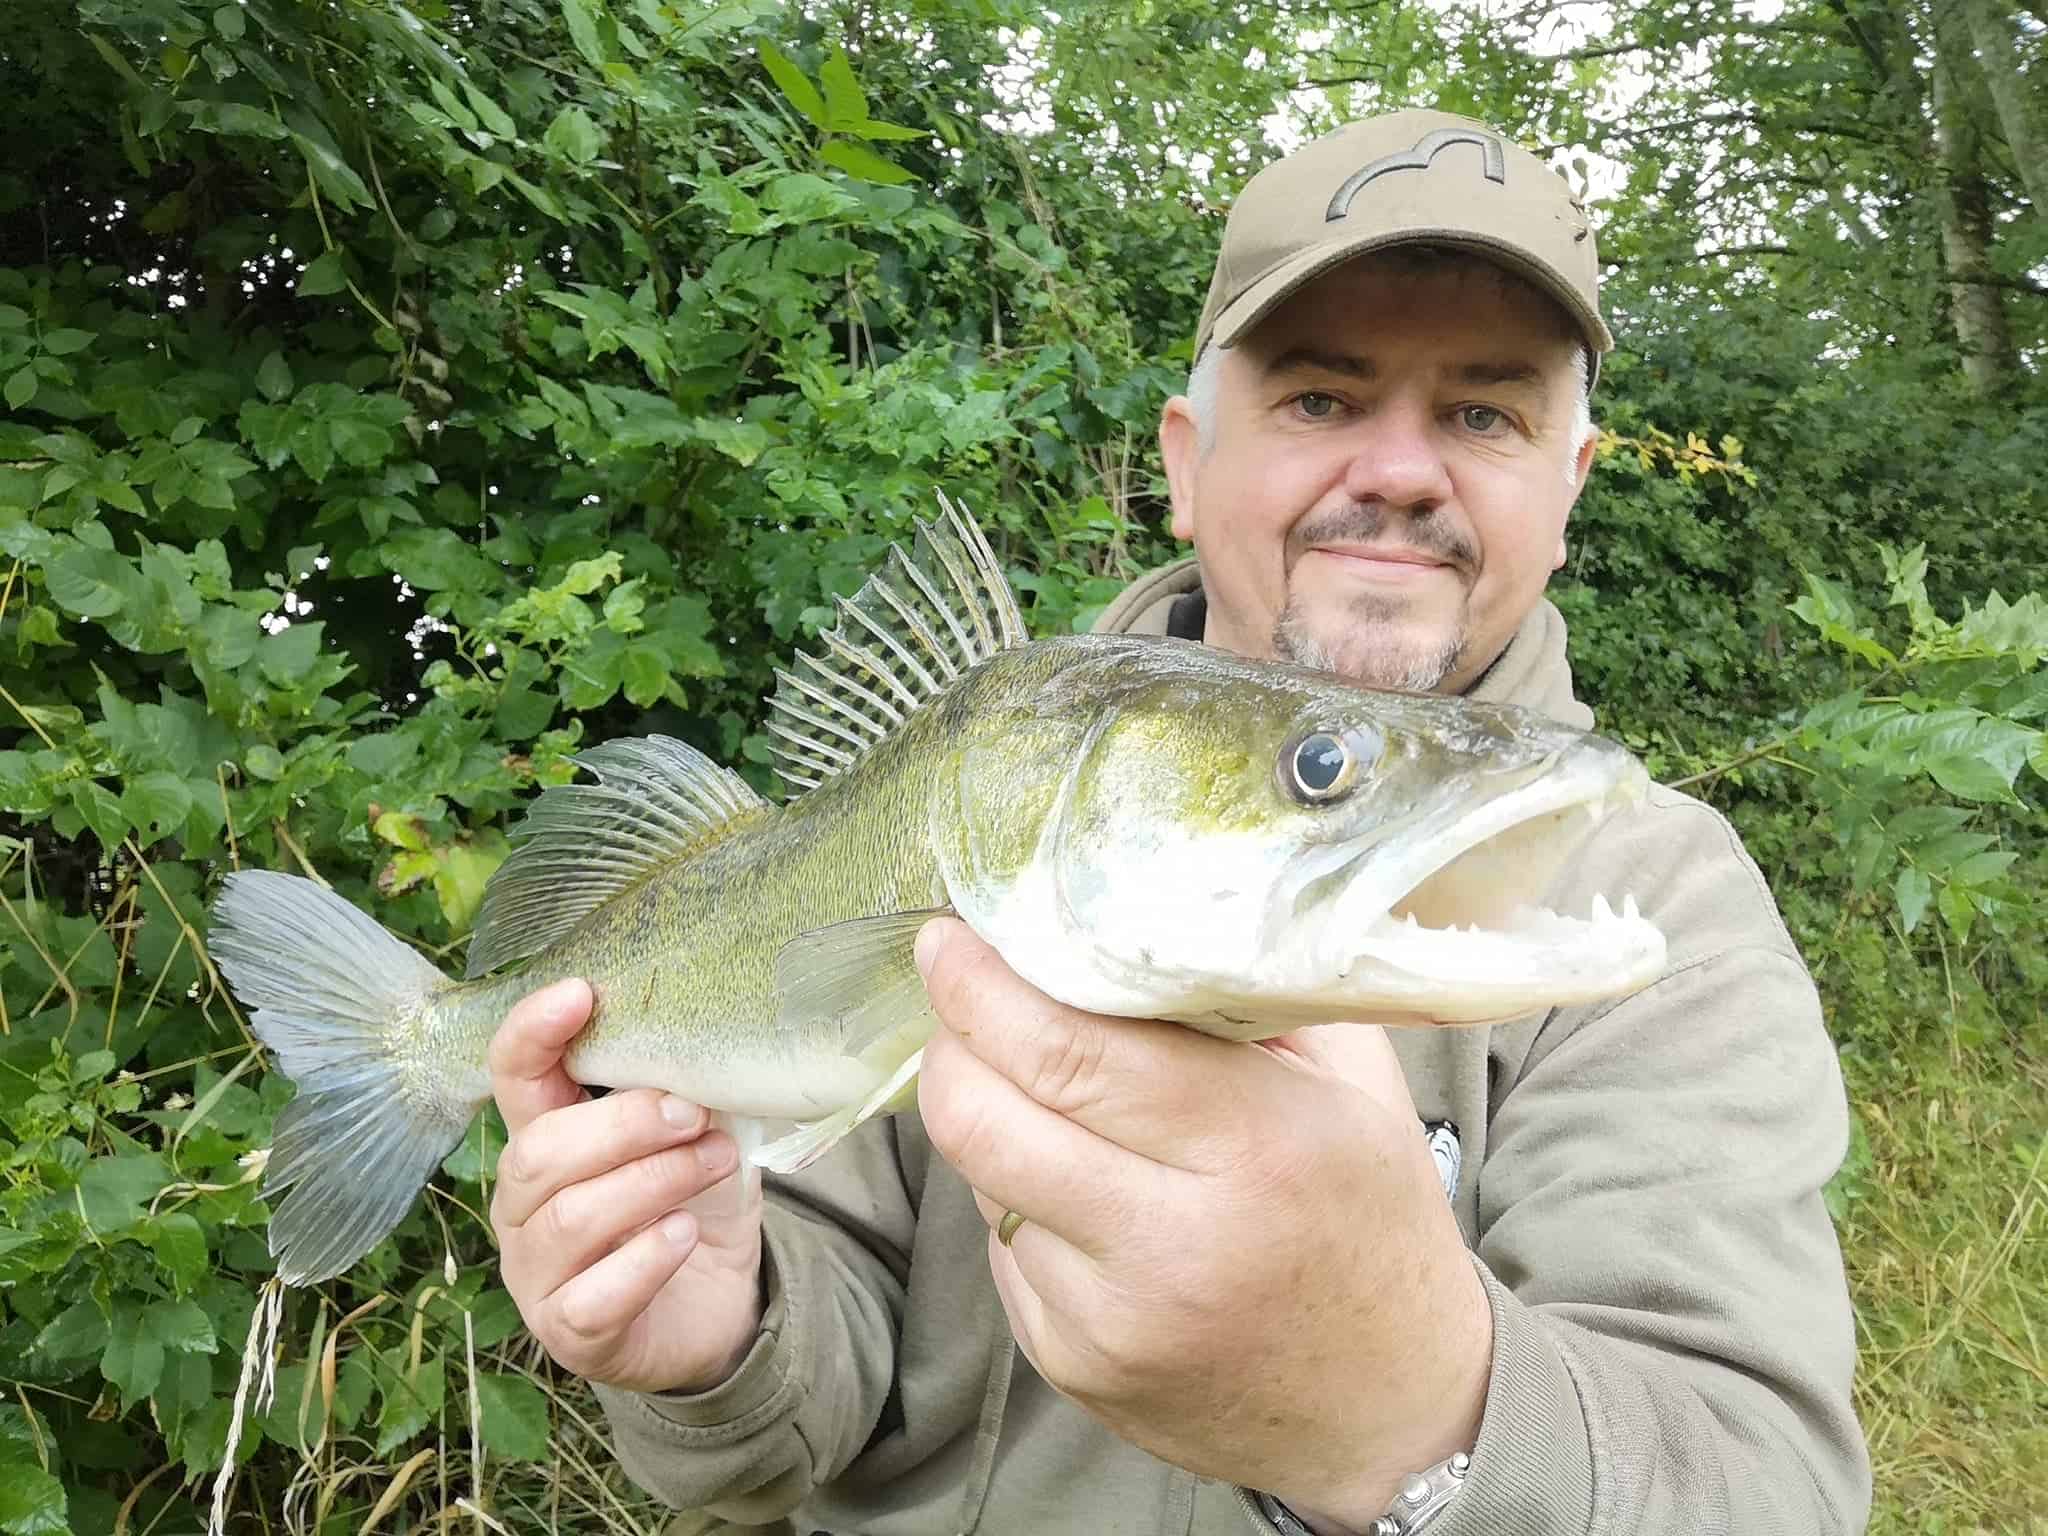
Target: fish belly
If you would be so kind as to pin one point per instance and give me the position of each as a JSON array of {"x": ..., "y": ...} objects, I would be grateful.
[{"x": 768, "y": 1085}]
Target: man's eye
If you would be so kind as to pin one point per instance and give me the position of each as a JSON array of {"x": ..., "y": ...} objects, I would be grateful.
[
  {"x": 1481, "y": 418},
  {"x": 1316, "y": 404}
]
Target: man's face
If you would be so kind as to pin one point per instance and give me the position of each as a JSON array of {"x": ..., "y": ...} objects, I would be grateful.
[{"x": 1392, "y": 466}]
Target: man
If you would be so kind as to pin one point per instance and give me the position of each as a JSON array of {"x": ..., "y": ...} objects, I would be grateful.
[{"x": 1123, "y": 1277}]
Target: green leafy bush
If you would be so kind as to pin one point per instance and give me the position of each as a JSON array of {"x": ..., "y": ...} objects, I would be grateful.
[{"x": 399, "y": 398}]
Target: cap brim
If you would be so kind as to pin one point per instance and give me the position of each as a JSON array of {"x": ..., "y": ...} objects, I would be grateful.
[{"x": 1264, "y": 296}]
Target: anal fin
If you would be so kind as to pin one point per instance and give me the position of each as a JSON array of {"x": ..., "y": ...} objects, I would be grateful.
[
  {"x": 810, "y": 1141},
  {"x": 731, "y": 1194}
]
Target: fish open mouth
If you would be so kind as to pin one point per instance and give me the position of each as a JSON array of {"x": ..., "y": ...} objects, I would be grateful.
[
  {"x": 1451, "y": 927},
  {"x": 1475, "y": 972}
]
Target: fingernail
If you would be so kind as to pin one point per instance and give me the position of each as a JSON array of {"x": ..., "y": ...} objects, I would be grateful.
[
  {"x": 562, "y": 994},
  {"x": 679, "y": 1227},
  {"x": 681, "y": 1113},
  {"x": 715, "y": 1156},
  {"x": 926, "y": 948}
]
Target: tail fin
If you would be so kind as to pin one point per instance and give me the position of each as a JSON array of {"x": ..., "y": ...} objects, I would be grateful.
[{"x": 337, "y": 999}]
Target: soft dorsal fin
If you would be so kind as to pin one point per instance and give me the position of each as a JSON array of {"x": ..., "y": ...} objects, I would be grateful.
[
  {"x": 581, "y": 844},
  {"x": 915, "y": 625}
]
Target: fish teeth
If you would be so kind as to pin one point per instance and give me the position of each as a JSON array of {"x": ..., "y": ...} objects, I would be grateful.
[
  {"x": 1602, "y": 912},
  {"x": 1630, "y": 910}
]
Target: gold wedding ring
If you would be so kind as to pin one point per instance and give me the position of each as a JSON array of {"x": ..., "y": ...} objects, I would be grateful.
[{"x": 1007, "y": 1227}]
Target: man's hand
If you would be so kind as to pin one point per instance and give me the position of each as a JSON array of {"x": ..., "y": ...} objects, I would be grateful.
[
  {"x": 1239, "y": 1259},
  {"x": 616, "y": 1280}
]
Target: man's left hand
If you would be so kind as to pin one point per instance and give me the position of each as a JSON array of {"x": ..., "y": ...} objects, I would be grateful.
[{"x": 1239, "y": 1259}]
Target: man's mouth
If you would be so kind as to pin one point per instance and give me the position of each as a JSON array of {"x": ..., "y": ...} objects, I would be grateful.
[{"x": 1385, "y": 562}]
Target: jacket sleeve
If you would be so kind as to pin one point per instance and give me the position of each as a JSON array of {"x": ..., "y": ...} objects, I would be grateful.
[
  {"x": 1674, "y": 1344},
  {"x": 807, "y": 1397}
]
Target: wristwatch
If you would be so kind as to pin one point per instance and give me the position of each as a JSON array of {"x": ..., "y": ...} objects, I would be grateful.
[{"x": 1422, "y": 1498}]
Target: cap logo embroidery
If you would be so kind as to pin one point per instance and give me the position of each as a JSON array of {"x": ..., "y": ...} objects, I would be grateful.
[{"x": 1417, "y": 159}]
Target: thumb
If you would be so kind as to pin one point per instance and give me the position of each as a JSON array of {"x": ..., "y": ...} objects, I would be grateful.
[{"x": 527, "y": 1078}]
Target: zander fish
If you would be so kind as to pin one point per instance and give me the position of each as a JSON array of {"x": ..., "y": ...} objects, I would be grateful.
[{"x": 1140, "y": 826}]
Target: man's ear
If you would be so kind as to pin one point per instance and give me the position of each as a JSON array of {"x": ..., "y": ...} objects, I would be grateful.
[
  {"x": 1180, "y": 449},
  {"x": 1584, "y": 467},
  {"x": 1580, "y": 471}
]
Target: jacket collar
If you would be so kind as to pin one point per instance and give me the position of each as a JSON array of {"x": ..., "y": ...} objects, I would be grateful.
[{"x": 1533, "y": 671}]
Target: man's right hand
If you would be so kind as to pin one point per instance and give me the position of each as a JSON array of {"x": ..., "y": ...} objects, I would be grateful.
[{"x": 616, "y": 1280}]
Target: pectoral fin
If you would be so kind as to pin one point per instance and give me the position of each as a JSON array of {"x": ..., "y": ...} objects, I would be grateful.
[{"x": 859, "y": 975}]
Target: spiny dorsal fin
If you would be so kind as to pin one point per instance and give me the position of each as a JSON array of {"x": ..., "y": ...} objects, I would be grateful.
[
  {"x": 582, "y": 844},
  {"x": 915, "y": 625}
]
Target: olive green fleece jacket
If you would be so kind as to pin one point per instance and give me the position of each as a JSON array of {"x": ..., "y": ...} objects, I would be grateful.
[{"x": 1642, "y": 1184}]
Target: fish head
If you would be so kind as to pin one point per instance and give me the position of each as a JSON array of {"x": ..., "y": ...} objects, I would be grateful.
[{"x": 1248, "y": 847}]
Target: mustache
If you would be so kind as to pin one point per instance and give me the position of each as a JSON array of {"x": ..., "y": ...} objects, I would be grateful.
[{"x": 1363, "y": 521}]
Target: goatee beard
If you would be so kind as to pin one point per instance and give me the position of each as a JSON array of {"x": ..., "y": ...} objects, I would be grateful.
[
  {"x": 1366, "y": 656},
  {"x": 1370, "y": 652}
]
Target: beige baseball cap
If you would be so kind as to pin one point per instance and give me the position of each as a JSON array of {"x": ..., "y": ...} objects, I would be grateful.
[{"x": 1410, "y": 177}]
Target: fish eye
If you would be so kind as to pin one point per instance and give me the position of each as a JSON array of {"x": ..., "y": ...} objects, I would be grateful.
[{"x": 1322, "y": 766}]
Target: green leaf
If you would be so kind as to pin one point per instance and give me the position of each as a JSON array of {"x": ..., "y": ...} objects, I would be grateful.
[
  {"x": 433, "y": 559},
  {"x": 235, "y": 119},
  {"x": 845, "y": 104},
  {"x": 623, "y": 606},
  {"x": 512, "y": 1416},
  {"x": 157, "y": 802},
  {"x": 32, "y": 1502},
  {"x": 410, "y": 1406},
  {"x": 873, "y": 128},
  {"x": 586, "y": 576},
  {"x": 288, "y": 655},
  {"x": 274, "y": 377},
  {"x": 573, "y": 136},
  {"x": 324, "y": 274},
  {"x": 264, "y": 762},
  {"x": 134, "y": 1357},
  {"x": 179, "y": 1243},
  {"x": 359, "y": 443},
  {"x": 463, "y": 871},
  {"x": 1912, "y": 890},
  {"x": 1958, "y": 910},
  {"x": 795, "y": 86},
  {"x": 522, "y": 714},
  {"x": 1979, "y": 868},
  {"x": 114, "y": 60},
  {"x": 230, "y": 23},
  {"x": 100, "y": 811},
  {"x": 1973, "y": 778},
  {"x": 21, "y": 387},
  {"x": 582, "y": 16},
  {"x": 182, "y": 1326},
  {"x": 337, "y": 178},
  {"x": 114, "y": 1192},
  {"x": 64, "y": 341},
  {"x": 859, "y": 160},
  {"x": 644, "y": 671},
  {"x": 85, "y": 581},
  {"x": 80, "y": 1329},
  {"x": 591, "y": 677},
  {"x": 489, "y": 112},
  {"x": 741, "y": 441},
  {"x": 402, "y": 830},
  {"x": 383, "y": 755}
]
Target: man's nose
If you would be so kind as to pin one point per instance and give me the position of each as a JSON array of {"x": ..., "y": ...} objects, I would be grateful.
[{"x": 1398, "y": 458}]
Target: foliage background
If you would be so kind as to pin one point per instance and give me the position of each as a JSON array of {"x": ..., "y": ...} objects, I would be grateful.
[{"x": 397, "y": 397}]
